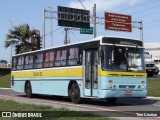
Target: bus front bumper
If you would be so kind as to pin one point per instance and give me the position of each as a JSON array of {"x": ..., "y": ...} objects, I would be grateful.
[{"x": 118, "y": 94}]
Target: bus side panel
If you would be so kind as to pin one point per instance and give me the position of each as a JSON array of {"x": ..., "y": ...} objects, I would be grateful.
[
  {"x": 52, "y": 87},
  {"x": 18, "y": 86},
  {"x": 56, "y": 86}
]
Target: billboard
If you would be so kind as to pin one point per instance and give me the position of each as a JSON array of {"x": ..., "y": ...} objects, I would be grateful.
[
  {"x": 71, "y": 17},
  {"x": 118, "y": 22}
]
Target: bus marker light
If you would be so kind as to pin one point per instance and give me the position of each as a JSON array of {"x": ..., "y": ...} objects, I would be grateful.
[{"x": 110, "y": 81}]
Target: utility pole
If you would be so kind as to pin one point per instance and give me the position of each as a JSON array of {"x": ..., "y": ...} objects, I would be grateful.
[
  {"x": 51, "y": 13},
  {"x": 139, "y": 25},
  {"x": 43, "y": 29},
  {"x": 66, "y": 38},
  {"x": 141, "y": 31},
  {"x": 94, "y": 16}
]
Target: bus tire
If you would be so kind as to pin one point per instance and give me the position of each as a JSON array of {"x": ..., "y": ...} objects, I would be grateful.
[
  {"x": 28, "y": 90},
  {"x": 74, "y": 92},
  {"x": 112, "y": 100}
]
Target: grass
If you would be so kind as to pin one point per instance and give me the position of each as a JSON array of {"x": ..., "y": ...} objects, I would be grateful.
[
  {"x": 154, "y": 87},
  {"x": 5, "y": 81},
  {"x": 48, "y": 113}
]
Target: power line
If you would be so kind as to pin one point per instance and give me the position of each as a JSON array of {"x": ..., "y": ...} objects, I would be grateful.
[
  {"x": 151, "y": 14},
  {"x": 150, "y": 26},
  {"x": 129, "y": 7},
  {"x": 151, "y": 22},
  {"x": 144, "y": 10},
  {"x": 85, "y": 8},
  {"x": 52, "y": 31}
]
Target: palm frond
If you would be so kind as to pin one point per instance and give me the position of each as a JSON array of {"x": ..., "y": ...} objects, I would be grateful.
[{"x": 20, "y": 35}]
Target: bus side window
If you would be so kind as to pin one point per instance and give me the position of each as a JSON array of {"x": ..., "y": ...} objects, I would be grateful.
[
  {"x": 38, "y": 60},
  {"x": 74, "y": 56},
  {"x": 46, "y": 59},
  {"x": 51, "y": 63},
  {"x": 30, "y": 63},
  {"x": 26, "y": 62},
  {"x": 20, "y": 63},
  {"x": 14, "y": 64},
  {"x": 58, "y": 58},
  {"x": 63, "y": 58}
]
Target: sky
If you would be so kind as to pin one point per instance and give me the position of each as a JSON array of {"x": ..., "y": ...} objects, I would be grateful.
[{"x": 30, "y": 12}]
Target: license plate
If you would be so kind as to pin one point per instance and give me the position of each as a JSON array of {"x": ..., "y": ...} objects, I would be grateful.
[
  {"x": 128, "y": 92},
  {"x": 149, "y": 70}
]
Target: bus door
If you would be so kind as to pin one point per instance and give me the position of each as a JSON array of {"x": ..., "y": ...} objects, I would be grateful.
[{"x": 90, "y": 68}]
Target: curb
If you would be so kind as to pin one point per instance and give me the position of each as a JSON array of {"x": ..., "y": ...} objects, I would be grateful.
[
  {"x": 153, "y": 97},
  {"x": 4, "y": 88}
]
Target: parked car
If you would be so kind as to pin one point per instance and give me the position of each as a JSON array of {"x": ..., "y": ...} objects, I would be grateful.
[
  {"x": 3, "y": 61},
  {"x": 150, "y": 69},
  {"x": 156, "y": 70}
]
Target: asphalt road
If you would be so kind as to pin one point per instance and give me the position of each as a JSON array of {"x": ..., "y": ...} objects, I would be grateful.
[{"x": 125, "y": 107}]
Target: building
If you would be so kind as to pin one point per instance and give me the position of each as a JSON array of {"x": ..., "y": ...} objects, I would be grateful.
[{"x": 154, "y": 50}]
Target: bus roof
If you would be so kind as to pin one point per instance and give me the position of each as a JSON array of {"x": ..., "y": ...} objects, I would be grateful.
[{"x": 99, "y": 38}]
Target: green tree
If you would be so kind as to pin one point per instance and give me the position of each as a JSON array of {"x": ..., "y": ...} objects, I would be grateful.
[{"x": 20, "y": 36}]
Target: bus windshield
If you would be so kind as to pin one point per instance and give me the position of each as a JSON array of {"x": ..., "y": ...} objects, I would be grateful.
[{"x": 122, "y": 58}]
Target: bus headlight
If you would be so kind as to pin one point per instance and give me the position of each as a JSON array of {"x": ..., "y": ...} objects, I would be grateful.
[
  {"x": 110, "y": 84},
  {"x": 110, "y": 81}
]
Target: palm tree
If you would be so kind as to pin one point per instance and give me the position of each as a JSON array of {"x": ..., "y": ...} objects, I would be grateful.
[{"x": 20, "y": 37}]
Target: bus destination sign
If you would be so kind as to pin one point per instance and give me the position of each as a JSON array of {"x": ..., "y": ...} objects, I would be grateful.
[{"x": 118, "y": 22}]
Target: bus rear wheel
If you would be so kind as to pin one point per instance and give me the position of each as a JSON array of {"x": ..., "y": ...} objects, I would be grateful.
[
  {"x": 75, "y": 93},
  {"x": 28, "y": 90},
  {"x": 112, "y": 100}
]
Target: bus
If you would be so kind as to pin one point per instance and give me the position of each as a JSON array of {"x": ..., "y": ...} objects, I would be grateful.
[{"x": 88, "y": 69}]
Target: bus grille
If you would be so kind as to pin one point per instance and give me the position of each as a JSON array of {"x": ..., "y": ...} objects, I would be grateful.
[{"x": 127, "y": 86}]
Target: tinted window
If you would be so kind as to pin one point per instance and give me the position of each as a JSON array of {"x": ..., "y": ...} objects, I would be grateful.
[
  {"x": 74, "y": 56},
  {"x": 49, "y": 59},
  {"x": 38, "y": 60},
  {"x": 20, "y": 63}
]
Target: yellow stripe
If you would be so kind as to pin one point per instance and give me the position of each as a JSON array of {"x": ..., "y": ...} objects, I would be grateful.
[
  {"x": 118, "y": 73},
  {"x": 64, "y": 72},
  {"x": 70, "y": 72}
]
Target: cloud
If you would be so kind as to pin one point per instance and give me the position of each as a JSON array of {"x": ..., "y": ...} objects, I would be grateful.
[{"x": 102, "y": 5}]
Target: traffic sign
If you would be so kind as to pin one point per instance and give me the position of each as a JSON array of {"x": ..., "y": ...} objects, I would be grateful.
[
  {"x": 86, "y": 31},
  {"x": 118, "y": 22},
  {"x": 71, "y": 17}
]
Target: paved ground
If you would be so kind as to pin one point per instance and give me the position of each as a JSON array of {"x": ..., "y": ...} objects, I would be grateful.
[{"x": 124, "y": 107}]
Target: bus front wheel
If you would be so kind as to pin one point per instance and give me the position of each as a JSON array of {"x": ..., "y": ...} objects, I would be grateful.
[
  {"x": 28, "y": 90},
  {"x": 75, "y": 93}
]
